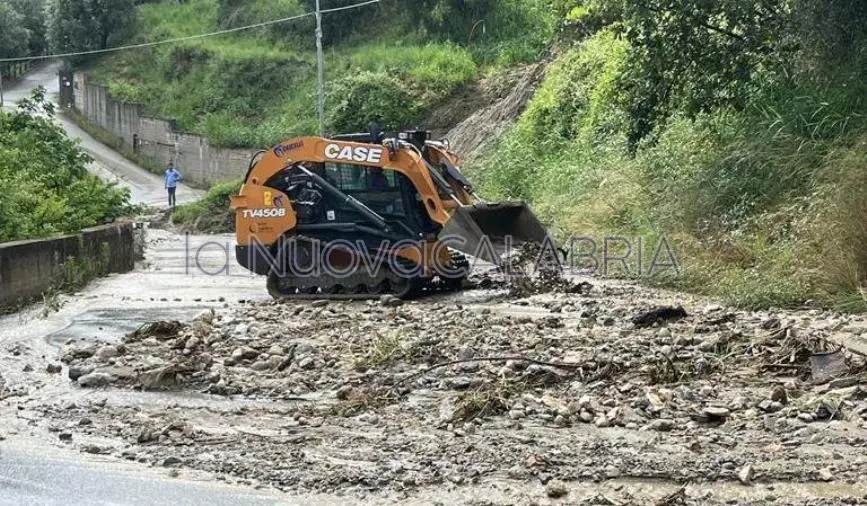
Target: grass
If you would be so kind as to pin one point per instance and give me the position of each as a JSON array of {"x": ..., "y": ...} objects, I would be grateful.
[
  {"x": 210, "y": 214},
  {"x": 763, "y": 207},
  {"x": 257, "y": 87}
]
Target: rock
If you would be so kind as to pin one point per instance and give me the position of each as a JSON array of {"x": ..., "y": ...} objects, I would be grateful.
[
  {"x": 276, "y": 350},
  {"x": 319, "y": 303},
  {"x": 556, "y": 489},
  {"x": 844, "y": 382},
  {"x": 261, "y": 365},
  {"x": 158, "y": 378},
  {"x": 96, "y": 380},
  {"x": 206, "y": 316},
  {"x": 662, "y": 425},
  {"x": 825, "y": 474},
  {"x": 81, "y": 353},
  {"x": 716, "y": 412},
  {"x": 806, "y": 417},
  {"x": 65, "y": 436},
  {"x": 769, "y": 406},
  {"x": 745, "y": 475},
  {"x": 780, "y": 395},
  {"x": 27, "y": 368},
  {"x": 390, "y": 301},
  {"x": 92, "y": 448},
  {"x": 244, "y": 353},
  {"x": 658, "y": 315},
  {"x": 275, "y": 361},
  {"x": 147, "y": 435},
  {"x": 307, "y": 363},
  {"x": 192, "y": 343},
  {"x": 466, "y": 353},
  {"x": 54, "y": 369},
  {"x": 171, "y": 461},
  {"x": 107, "y": 352}
]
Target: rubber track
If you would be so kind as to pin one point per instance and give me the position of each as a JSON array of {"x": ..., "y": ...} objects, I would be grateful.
[{"x": 426, "y": 288}]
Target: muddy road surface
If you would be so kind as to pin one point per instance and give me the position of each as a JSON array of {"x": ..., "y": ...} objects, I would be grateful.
[{"x": 575, "y": 396}]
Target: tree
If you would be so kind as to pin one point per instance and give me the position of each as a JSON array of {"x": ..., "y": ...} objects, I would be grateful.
[
  {"x": 44, "y": 180},
  {"x": 450, "y": 19},
  {"x": 698, "y": 55},
  {"x": 82, "y": 25},
  {"x": 14, "y": 36},
  {"x": 33, "y": 14}
]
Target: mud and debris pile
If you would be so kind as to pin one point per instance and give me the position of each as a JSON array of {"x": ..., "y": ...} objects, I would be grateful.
[
  {"x": 531, "y": 269},
  {"x": 362, "y": 397}
]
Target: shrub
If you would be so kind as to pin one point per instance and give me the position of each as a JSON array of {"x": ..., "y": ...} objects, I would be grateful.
[
  {"x": 356, "y": 99},
  {"x": 44, "y": 182},
  {"x": 211, "y": 214}
]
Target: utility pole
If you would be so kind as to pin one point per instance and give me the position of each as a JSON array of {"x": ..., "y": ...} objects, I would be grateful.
[{"x": 320, "y": 69}]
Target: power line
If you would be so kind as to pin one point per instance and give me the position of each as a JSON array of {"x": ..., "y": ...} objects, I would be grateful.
[{"x": 183, "y": 39}]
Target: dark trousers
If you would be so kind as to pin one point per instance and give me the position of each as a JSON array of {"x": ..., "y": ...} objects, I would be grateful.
[{"x": 172, "y": 198}]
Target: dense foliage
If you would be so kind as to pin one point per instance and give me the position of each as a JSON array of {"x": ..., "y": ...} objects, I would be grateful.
[
  {"x": 22, "y": 28},
  {"x": 33, "y": 27},
  {"x": 81, "y": 25},
  {"x": 736, "y": 128},
  {"x": 44, "y": 184}
]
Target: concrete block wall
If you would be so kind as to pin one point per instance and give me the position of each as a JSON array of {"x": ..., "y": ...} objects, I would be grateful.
[
  {"x": 158, "y": 138},
  {"x": 30, "y": 268}
]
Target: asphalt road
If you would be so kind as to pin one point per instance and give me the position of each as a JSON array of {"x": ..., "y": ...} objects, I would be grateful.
[
  {"x": 145, "y": 187},
  {"x": 27, "y": 479}
]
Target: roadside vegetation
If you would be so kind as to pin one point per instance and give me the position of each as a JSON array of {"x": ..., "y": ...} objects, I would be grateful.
[
  {"x": 736, "y": 129},
  {"x": 210, "y": 214},
  {"x": 45, "y": 188}
]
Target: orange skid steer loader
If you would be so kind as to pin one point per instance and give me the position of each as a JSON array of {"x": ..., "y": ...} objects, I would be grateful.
[{"x": 360, "y": 215}]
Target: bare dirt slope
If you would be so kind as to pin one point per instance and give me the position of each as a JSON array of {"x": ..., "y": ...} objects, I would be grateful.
[{"x": 473, "y": 136}]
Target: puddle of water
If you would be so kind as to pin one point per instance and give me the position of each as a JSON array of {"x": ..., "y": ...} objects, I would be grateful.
[{"x": 112, "y": 324}]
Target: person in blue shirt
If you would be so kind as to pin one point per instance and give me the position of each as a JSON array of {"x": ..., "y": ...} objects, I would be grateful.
[{"x": 172, "y": 178}]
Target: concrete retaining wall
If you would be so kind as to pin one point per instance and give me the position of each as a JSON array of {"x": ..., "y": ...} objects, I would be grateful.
[
  {"x": 30, "y": 268},
  {"x": 158, "y": 138}
]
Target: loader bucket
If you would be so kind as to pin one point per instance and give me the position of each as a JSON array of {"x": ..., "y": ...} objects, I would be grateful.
[{"x": 498, "y": 223}]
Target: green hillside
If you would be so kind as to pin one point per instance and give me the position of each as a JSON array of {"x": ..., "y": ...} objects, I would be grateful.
[
  {"x": 254, "y": 88},
  {"x": 738, "y": 130}
]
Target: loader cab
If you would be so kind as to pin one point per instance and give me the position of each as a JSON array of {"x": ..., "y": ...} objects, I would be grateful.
[{"x": 325, "y": 216}]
